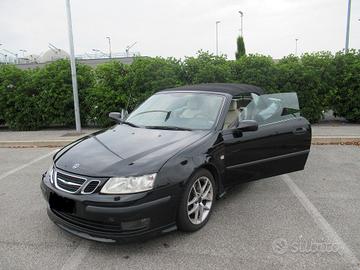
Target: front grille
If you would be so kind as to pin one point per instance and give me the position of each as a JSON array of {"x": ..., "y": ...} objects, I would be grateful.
[
  {"x": 91, "y": 186},
  {"x": 67, "y": 187},
  {"x": 68, "y": 183},
  {"x": 71, "y": 178}
]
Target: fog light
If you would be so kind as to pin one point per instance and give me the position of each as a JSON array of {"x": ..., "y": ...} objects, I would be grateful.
[{"x": 135, "y": 224}]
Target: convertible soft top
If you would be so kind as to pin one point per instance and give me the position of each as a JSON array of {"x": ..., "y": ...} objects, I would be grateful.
[{"x": 234, "y": 89}]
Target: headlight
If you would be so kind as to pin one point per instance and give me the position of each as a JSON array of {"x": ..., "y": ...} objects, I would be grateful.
[
  {"x": 132, "y": 184},
  {"x": 50, "y": 173}
]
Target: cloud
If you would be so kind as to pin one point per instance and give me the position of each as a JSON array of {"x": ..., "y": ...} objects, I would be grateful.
[{"x": 179, "y": 28}]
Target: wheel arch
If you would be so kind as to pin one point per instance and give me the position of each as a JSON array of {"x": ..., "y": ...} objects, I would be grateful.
[{"x": 217, "y": 178}]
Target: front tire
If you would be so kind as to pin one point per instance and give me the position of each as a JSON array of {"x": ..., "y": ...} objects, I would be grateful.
[{"x": 197, "y": 201}]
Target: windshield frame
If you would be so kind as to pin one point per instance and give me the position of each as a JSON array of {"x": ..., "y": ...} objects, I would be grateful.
[{"x": 224, "y": 97}]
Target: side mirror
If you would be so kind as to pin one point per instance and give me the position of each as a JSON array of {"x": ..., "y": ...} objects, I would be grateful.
[
  {"x": 115, "y": 116},
  {"x": 244, "y": 125},
  {"x": 247, "y": 125}
]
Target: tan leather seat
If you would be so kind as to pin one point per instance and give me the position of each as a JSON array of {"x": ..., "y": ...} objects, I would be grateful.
[{"x": 232, "y": 114}]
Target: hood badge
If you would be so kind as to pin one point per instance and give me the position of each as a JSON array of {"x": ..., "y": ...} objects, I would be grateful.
[{"x": 76, "y": 165}]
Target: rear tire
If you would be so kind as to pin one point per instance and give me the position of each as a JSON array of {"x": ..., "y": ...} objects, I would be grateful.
[{"x": 197, "y": 201}]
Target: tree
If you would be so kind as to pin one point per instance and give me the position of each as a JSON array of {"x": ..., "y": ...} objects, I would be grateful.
[
  {"x": 294, "y": 76},
  {"x": 148, "y": 75},
  {"x": 345, "y": 100},
  {"x": 240, "y": 48},
  {"x": 205, "y": 68},
  {"x": 255, "y": 69}
]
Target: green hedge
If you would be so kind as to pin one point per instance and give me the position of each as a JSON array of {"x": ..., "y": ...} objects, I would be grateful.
[
  {"x": 32, "y": 99},
  {"x": 19, "y": 99},
  {"x": 345, "y": 97}
]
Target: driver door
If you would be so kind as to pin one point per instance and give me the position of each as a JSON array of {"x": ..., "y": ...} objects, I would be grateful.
[{"x": 280, "y": 144}]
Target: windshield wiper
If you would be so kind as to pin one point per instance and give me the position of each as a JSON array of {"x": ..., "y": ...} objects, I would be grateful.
[
  {"x": 168, "y": 128},
  {"x": 129, "y": 124},
  {"x": 152, "y": 111}
]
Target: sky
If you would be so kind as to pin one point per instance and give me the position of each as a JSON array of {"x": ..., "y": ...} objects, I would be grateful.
[{"x": 180, "y": 28}]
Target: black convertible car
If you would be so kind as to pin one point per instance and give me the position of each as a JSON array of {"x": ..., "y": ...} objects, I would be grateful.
[{"x": 163, "y": 166}]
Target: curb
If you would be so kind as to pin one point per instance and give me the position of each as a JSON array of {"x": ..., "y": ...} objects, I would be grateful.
[
  {"x": 316, "y": 140},
  {"x": 335, "y": 140}
]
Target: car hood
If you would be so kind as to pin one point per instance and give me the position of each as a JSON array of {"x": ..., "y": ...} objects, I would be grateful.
[{"x": 123, "y": 150}]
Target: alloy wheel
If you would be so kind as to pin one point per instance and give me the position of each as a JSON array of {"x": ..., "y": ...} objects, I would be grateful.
[{"x": 200, "y": 200}]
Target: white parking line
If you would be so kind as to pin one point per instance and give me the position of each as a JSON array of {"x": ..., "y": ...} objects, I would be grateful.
[
  {"x": 27, "y": 164},
  {"x": 78, "y": 255},
  {"x": 330, "y": 233}
]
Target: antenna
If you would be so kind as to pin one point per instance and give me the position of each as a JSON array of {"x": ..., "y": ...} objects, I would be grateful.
[{"x": 128, "y": 48}]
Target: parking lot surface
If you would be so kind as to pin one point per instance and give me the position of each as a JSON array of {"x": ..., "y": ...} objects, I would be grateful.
[{"x": 304, "y": 220}]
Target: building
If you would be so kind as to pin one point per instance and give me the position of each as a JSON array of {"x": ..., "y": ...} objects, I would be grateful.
[{"x": 54, "y": 53}]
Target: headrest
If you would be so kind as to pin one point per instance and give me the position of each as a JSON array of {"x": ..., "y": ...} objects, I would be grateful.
[{"x": 233, "y": 105}]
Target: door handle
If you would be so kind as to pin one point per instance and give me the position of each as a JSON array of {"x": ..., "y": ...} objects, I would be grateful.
[{"x": 300, "y": 131}]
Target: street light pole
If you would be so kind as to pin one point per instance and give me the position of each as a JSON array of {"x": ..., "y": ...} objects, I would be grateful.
[
  {"x": 217, "y": 37},
  {"x": 73, "y": 68},
  {"x": 241, "y": 16},
  {"x": 348, "y": 28},
  {"x": 109, "y": 39},
  {"x": 296, "y": 46}
]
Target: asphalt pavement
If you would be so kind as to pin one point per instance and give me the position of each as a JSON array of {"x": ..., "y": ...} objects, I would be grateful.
[{"x": 304, "y": 220}]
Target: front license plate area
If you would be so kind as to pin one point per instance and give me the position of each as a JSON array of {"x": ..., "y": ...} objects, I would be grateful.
[{"x": 61, "y": 204}]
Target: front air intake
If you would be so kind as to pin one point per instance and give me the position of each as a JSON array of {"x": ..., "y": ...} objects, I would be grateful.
[{"x": 90, "y": 187}]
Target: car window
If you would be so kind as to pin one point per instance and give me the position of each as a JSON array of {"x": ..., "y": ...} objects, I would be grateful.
[
  {"x": 271, "y": 108},
  {"x": 238, "y": 103},
  {"x": 178, "y": 109}
]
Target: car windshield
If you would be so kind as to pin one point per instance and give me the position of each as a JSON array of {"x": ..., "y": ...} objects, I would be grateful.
[{"x": 178, "y": 111}]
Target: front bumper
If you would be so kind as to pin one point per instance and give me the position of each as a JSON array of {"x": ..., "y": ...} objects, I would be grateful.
[{"x": 113, "y": 218}]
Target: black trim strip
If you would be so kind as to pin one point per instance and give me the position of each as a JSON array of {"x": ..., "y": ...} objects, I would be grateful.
[
  {"x": 268, "y": 159},
  {"x": 126, "y": 209}
]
